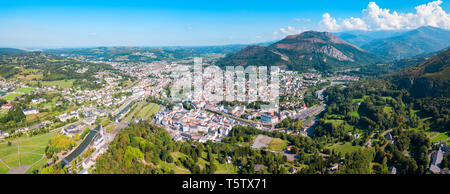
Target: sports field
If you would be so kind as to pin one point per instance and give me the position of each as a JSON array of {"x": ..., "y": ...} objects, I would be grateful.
[
  {"x": 148, "y": 111},
  {"x": 24, "y": 90}
]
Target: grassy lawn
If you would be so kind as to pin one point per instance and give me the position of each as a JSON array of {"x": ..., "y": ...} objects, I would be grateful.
[
  {"x": 388, "y": 110},
  {"x": 60, "y": 83},
  {"x": 436, "y": 136},
  {"x": 110, "y": 128},
  {"x": 387, "y": 98},
  {"x": 3, "y": 169},
  {"x": 105, "y": 122},
  {"x": 36, "y": 166},
  {"x": 10, "y": 97},
  {"x": 6, "y": 150},
  {"x": 360, "y": 99},
  {"x": 277, "y": 144},
  {"x": 355, "y": 114},
  {"x": 144, "y": 110},
  {"x": 335, "y": 122},
  {"x": 148, "y": 111},
  {"x": 28, "y": 158},
  {"x": 49, "y": 104},
  {"x": 225, "y": 168},
  {"x": 33, "y": 77},
  {"x": 24, "y": 90},
  {"x": 433, "y": 135},
  {"x": 154, "y": 110},
  {"x": 31, "y": 151},
  {"x": 11, "y": 160},
  {"x": 3, "y": 112},
  {"x": 344, "y": 147}
]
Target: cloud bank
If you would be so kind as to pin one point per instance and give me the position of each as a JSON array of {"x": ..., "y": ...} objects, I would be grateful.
[{"x": 376, "y": 18}]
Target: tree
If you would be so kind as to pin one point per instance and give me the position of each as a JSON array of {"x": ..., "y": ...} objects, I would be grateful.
[{"x": 298, "y": 125}]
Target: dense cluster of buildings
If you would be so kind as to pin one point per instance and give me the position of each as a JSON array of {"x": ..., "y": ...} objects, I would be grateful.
[{"x": 194, "y": 124}]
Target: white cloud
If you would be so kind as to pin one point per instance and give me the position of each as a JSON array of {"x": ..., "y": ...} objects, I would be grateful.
[
  {"x": 376, "y": 18},
  {"x": 354, "y": 23},
  {"x": 329, "y": 22},
  {"x": 290, "y": 30}
]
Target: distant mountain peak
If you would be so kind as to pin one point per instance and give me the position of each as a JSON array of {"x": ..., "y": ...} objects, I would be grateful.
[
  {"x": 310, "y": 50},
  {"x": 310, "y": 39},
  {"x": 422, "y": 40}
]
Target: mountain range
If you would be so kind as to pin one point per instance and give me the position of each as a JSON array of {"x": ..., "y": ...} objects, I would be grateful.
[
  {"x": 407, "y": 44},
  {"x": 311, "y": 50},
  {"x": 8, "y": 51}
]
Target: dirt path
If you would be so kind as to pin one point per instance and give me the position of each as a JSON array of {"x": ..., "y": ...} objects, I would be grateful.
[
  {"x": 19, "y": 169},
  {"x": 18, "y": 151}
]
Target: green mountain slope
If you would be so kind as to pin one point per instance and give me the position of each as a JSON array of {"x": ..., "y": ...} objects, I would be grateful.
[
  {"x": 429, "y": 78},
  {"x": 411, "y": 43},
  {"x": 307, "y": 51},
  {"x": 8, "y": 51}
]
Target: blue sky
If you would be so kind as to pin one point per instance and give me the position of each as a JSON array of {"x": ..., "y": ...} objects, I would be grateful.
[{"x": 32, "y": 24}]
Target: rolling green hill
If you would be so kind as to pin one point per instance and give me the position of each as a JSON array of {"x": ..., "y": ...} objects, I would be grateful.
[
  {"x": 7, "y": 51},
  {"x": 41, "y": 67}
]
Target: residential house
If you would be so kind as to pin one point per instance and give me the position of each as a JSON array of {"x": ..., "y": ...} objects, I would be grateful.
[
  {"x": 7, "y": 106},
  {"x": 30, "y": 111}
]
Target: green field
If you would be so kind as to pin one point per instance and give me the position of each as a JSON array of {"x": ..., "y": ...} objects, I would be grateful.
[
  {"x": 110, "y": 128},
  {"x": 60, "y": 83},
  {"x": 344, "y": 147},
  {"x": 24, "y": 90},
  {"x": 148, "y": 111},
  {"x": 3, "y": 112},
  {"x": 360, "y": 99},
  {"x": 277, "y": 144},
  {"x": 31, "y": 151},
  {"x": 388, "y": 109},
  {"x": 10, "y": 97},
  {"x": 355, "y": 114},
  {"x": 436, "y": 137}
]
